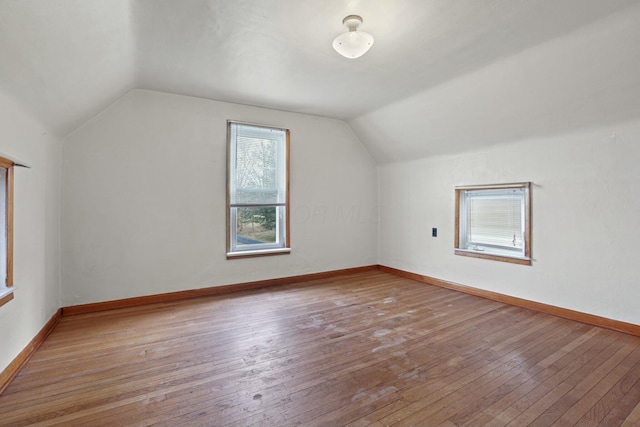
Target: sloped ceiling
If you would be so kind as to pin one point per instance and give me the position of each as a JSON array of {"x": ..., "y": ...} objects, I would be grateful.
[{"x": 63, "y": 61}]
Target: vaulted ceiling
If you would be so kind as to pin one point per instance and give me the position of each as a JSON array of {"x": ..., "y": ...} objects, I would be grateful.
[{"x": 63, "y": 61}]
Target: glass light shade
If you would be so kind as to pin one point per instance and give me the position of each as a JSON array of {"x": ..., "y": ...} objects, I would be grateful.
[{"x": 353, "y": 44}]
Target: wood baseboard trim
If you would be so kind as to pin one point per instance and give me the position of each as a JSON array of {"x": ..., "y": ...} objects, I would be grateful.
[
  {"x": 215, "y": 290},
  {"x": 590, "y": 319},
  {"x": 11, "y": 371}
]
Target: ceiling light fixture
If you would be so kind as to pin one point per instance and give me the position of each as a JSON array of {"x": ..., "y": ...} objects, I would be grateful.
[{"x": 354, "y": 43}]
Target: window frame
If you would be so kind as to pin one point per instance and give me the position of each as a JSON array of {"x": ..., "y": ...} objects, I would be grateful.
[
  {"x": 6, "y": 289},
  {"x": 266, "y": 249},
  {"x": 522, "y": 260}
]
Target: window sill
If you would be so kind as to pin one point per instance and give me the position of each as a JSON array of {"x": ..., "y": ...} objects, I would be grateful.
[
  {"x": 258, "y": 253},
  {"x": 6, "y": 295},
  {"x": 494, "y": 257}
]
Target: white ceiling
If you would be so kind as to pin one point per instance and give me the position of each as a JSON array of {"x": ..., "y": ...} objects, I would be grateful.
[{"x": 63, "y": 61}]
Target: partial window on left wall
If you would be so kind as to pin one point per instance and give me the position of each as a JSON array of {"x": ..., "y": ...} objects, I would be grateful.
[{"x": 6, "y": 230}]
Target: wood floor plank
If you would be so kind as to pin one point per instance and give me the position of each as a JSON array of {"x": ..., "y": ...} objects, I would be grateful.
[
  {"x": 456, "y": 403},
  {"x": 368, "y": 348},
  {"x": 472, "y": 413},
  {"x": 588, "y": 377},
  {"x": 536, "y": 388},
  {"x": 455, "y": 377},
  {"x": 582, "y": 406},
  {"x": 622, "y": 408},
  {"x": 633, "y": 419},
  {"x": 624, "y": 388}
]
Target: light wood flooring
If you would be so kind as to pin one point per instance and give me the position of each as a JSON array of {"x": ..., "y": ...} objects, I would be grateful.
[{"x": 363, "y": 349}]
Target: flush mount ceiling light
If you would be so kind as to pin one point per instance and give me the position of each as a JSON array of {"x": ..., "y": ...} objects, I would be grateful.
[{"x": 354, "y": 43}]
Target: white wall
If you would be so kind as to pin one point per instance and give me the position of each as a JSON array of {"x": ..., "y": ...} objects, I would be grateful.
[
  {"x": 36, "y": 229},
  {"x": 143, "y": 199},
  {"x": 586, "y": 204}
]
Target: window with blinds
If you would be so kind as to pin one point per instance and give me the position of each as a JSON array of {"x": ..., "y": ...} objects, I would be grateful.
[
  {"x": 494, "y": 222},
  {"x": 258, "y": 190}
]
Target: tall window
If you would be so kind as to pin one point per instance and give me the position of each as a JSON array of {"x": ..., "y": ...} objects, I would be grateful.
[
  {"x": 258, "y": 190},
  {"x": 6, "y": 230},
  {"x": 494, "y": 222}
]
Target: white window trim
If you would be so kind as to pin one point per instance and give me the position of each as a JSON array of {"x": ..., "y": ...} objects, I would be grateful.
[{"x": 4, "y": 291}]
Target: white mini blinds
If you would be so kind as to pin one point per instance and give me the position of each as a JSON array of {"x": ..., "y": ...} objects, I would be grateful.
[
  {"x": 258, "y": 190},
  {"x": 494, "y": 222}
]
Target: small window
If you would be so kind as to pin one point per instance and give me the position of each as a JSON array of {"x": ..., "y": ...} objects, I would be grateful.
[
  {"x": 258, "y": 190},
  {"x": 493, "y": 222},
  {"x": 6, "y": 230}
]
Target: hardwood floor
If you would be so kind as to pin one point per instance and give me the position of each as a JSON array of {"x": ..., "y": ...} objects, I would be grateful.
[{"x": 363, "y": 349}]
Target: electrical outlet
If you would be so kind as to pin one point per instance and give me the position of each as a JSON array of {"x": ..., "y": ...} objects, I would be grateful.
[{"x": 434, "y": 232}]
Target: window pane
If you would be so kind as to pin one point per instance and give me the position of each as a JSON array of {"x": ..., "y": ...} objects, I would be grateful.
[
  {"x": 258, "y": 159},
  {"x": 256, "y": 225},
  {"x": 256, "y": 171},
  {"x": 495, "y": 218}
]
